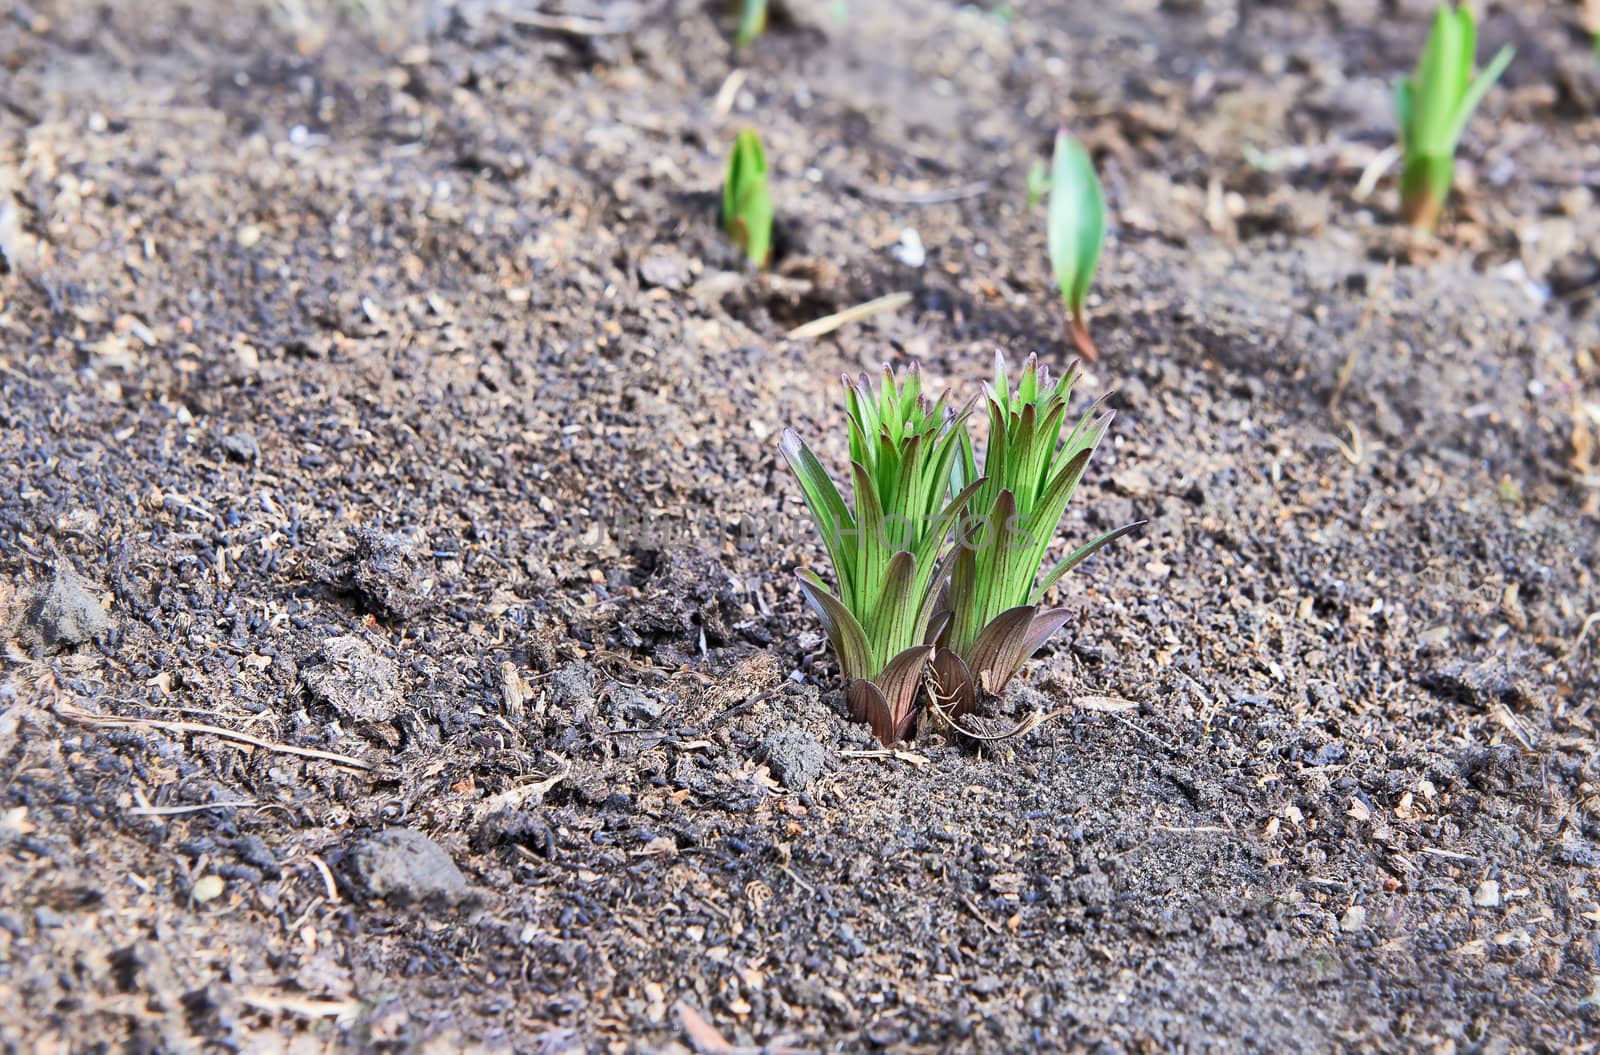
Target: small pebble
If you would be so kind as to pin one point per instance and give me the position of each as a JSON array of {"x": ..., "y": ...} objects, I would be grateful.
[
  {"x": 909, "y": 250},
  {"x": 241, "y": 447},
  {"x": 206, "y": 888}
]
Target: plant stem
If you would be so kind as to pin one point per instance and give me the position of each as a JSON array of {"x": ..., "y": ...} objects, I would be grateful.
[
  {"x": 1078, "y": 330},
  {"x": 1423, "y": 188}
]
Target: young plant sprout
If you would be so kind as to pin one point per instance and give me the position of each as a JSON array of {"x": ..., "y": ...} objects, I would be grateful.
[
  {"x": 993, "y": 619},
  {"x": 752, "y": 21},
  {"x": 887, "y": 552},
  {"x": 1038, "y": 183},
  {"x": 1076, "y": 227},
  {"x": 746, "y": 204},
  {"x": 1433, "y": 109}
]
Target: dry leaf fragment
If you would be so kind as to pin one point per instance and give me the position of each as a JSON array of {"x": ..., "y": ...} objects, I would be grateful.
[
  {"x": 703, "y": 1036},
  {"x": 1104, "y": 704},
  {"x": 16, "y": 821}
]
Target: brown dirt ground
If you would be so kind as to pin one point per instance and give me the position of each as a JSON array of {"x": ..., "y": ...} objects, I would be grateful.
[{"x": 379, "y": 371}]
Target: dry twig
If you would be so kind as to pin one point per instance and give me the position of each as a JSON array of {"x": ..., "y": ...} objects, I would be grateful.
[
  {"x": 828, "y": 323},
  {"x": 1349, "y": 367},
  {"x": 579, "y": 24},
  {"x": 936, "y": 196},
  {"x": 78, "y": 714}
]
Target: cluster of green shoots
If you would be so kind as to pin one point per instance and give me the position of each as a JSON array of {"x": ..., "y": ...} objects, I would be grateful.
[
  {"x": 938, "y": 595},
  {"x": 1433, "y": 108}
]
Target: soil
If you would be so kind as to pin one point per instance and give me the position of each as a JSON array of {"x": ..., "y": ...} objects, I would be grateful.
[{"x": 378, "y": 371}]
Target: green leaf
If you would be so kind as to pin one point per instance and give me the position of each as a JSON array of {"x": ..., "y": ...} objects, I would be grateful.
[
  {"x": 900, "y": 681},
  {"x": 1480, "y": 87},
  {"x": 747, "y": 213},
  {"x": 822, "y": 498},
  {"x": 1440, "y": 81},
  {"x": 945, "y": 520},
  {"x": 752, "y": 21},
  {"x": 1078, "y": 556},
  {"x": 928, "y": 605},
  {"x": 1009, "y": 642},
  {"x": 1466, "y": 47},
  {"x": 871, "y": 558},
  {"x": 896, "y": 625},
  {"x": 1038, "y": 183},
  {"x": 953, "y": 682},
  {"x": 843, "y": 629},
  {"x": 997, "y": 654},
  {"x": 1404, "y": 92},
  {"x": 1076, "y": 222}
]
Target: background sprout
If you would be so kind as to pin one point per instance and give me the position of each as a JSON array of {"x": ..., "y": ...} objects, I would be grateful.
[
  {"x": 1038, "y": 183},
  {"x": 746, "y": 204},
  {"x": 1076, "y": 226},
  {"x": 993, "y": 619},
  {"x": 1433, "y": 108},
  {"x": 752, "y": 21},
  {"x": 887, "y": 551}
]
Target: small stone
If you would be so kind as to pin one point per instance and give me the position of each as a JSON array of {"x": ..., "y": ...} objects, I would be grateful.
[
  {"x": 668, "y": 268},
  {"x": 1487, "y": 895},
  {"x": 910, "y": 250},
  {"x": 1354, "y": 920},
  {"x": 988, "y": 985},
  {"x": 1132, "y": 482},
  {"x": 67, "y": 614},
  {"x": 206, "y": 888},
  {"x": 795, "y": 757},
  {"x": 403, "y": 866},
  {"x": 240, "y": 446}
]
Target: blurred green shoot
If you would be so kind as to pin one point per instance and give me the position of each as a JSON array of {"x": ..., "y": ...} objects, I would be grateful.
[
  {"x": 1076, "y": 229},
  {"x": 752, "y": 21},
  {"x": 746, "y": 203},
  {"x": 1038, "y": 183},
  {"x": 1433, "y": 108}
]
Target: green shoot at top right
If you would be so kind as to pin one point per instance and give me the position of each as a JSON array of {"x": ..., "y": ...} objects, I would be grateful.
[{"x": 1433, "y": 109}]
